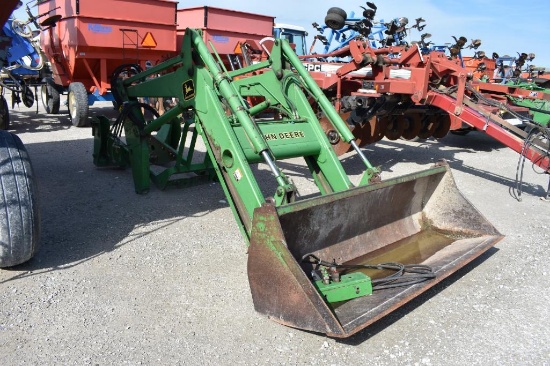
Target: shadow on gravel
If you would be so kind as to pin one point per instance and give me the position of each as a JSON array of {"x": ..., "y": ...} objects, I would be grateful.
[
  {"x": 28, "y": 120},
  {"x": 87, "y": 212},
  {"x": 386, "y": 154},
  {"x": 447, "y": 148}
]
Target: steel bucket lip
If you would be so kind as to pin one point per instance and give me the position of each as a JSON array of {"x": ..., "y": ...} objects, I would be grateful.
[
  {"x": 403, "y": 296},
  {"x": 358, "y": 190}
]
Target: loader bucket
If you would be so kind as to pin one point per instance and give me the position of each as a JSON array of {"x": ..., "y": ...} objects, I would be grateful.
[{"x": 420, "y": 218}]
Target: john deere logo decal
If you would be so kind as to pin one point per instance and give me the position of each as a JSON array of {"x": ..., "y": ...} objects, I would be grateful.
[{"x": 188, "y": 90}]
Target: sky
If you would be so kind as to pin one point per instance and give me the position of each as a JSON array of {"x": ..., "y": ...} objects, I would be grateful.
[{"x": 507, "y": 27}]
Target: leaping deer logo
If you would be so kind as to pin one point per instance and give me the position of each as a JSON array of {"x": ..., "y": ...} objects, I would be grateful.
[{"x": 188, "y": 90}]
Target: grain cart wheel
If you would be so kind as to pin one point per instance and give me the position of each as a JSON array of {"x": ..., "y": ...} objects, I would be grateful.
[
  {"x": 4, "y": 114},
  {"x": 50, "y": 96},
  {"x": 19, "y": 216},
  {"x": 78, "y": 104}
]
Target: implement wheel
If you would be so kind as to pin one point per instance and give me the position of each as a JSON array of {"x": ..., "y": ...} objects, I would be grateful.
[
  {"x": 78, "y": 104},
  {"x": 339, "y": 11},
  {"x": 19, "y": 216},
  {"x": 4, "y": 114},
  {"x": 50, "y": 96},
  {"x": 335, "y": 21}
]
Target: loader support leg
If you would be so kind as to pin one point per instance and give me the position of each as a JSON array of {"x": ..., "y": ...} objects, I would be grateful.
[{"x": 139, "y": 157}]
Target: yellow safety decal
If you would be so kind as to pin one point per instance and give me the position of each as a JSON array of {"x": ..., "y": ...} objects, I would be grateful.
[{"x": 149, "y": 41}]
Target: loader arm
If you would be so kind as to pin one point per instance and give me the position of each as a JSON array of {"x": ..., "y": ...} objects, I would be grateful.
[{"x": 234, "y": 135}]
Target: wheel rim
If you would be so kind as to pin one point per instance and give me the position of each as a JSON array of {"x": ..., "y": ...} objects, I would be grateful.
[
  {"x": 45, "y": 96},
  {"x": 21, "y": 28},
  {"x": 73, "y": 110}
]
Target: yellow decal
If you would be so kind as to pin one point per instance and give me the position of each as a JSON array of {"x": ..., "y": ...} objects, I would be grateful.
[
  {"x": 284, "y": 135},
  {"x": 188, "y": 90}
]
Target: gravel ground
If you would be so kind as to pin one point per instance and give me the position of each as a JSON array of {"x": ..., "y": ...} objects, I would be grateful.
[{"x": 161, "y": 278}]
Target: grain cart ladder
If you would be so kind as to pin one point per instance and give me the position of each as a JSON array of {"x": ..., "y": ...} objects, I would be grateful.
[{"x": 306, "y": 257}]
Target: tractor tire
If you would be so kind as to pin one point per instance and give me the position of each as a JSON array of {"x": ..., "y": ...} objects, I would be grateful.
[
  {"x": 50, "y": 96},
  {"x": 339, "y": 11},
  {"x": 77, "y": 101},
  {"x": 4, "y": 114},
  {"x": 335, "y": 21},
  {"x": 19, "y": 214}
]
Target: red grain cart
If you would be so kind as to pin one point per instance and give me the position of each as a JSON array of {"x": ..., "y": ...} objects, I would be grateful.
[
  {"x": 93, "y": 38},
  {"x": 226, "y": 30}
]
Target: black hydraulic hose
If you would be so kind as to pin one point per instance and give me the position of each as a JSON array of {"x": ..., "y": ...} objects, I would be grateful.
[{"x": 404, "y": 274}]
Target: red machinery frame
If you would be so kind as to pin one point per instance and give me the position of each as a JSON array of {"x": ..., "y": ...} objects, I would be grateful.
[{"x": 434, "y": 81}]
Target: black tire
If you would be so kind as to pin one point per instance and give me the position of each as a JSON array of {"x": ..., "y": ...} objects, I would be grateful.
[
  {"x": 335, "y": 21},
  {"x": 339, "y": 11},
  {"x": 19, "y": 214},
  {"x": 27, "y": 95},
  {"x": 122, "y": 72},
  {"x": 4, "y": 114},
  {"x": 50, "y": 96},
  {"x": 77, "y": 100}
]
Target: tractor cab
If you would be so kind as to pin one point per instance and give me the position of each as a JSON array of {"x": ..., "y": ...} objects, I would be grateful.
[{"x": 295, "y": 35}]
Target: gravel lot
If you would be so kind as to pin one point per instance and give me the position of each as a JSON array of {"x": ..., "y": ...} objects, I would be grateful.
[{"x": 157, "y": 279}]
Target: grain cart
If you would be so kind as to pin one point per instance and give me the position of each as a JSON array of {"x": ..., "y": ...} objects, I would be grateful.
[
  {"x": 313, "y": 263},
  {"x": 96, "y": 36},
  {"x": 225, "y": 29}
]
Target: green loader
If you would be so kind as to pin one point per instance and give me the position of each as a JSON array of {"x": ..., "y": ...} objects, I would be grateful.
[{"x": 333, "y": 262}]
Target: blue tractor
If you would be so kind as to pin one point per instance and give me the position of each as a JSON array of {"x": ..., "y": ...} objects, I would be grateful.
[{"x": 22, "y": 63}]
